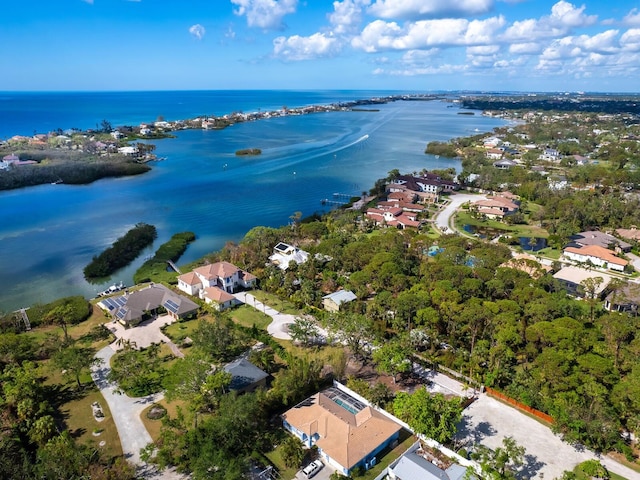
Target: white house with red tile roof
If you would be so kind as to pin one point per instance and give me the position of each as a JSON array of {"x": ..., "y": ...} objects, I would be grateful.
[
  {"x": 496, "y": 207},
  {"x": 406, "y": 196},
  {"x": 597, "y": 255},
  {"x": 220, "y": 299},
  {"x": 494, "y": 153},
  {"x": 393, "y": 217},
  {"x": 215, "y": 282}
]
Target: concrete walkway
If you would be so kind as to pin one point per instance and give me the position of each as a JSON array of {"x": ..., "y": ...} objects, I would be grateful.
[
  {"x": 443, "y": 219},
  {"x": 440, "y": 383}
]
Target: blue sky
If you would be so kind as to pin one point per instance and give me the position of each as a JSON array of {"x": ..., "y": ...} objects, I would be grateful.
[{"x": 419, "y": 45}]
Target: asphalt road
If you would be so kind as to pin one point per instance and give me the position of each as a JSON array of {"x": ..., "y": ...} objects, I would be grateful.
[{"x": 443, "y": 218}]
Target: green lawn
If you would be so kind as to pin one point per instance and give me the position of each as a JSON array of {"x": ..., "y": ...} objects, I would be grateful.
[
  {"x": 77, "y": 414},
  {"x": 580, "y": 475},
  {"x": 549, "y": 252},
  {"x": 389, "y": 455},
  {"x": 273, "y": 301},
  {"x": 178, "y": 331},
  {"x": 154, "y": 426},
  {"x": 248, "y": 316},
  {"x": 463, "y": 218},
  {"x": 76, "y": 332},
  {"x": 275, "y": 457}
]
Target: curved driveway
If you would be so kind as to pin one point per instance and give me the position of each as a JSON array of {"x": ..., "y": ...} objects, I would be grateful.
[
  {"x": 278, "y": 328},
  {"x": 443, "y": 219}
]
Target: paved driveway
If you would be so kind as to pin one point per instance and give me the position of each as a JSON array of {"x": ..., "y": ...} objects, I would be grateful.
[
  {"x": 324, "y": 474},
  {"x": 145, "y": 333},
  {"x": 125, "y": 410},
  {"x": 443, "y": 219},
  {"x": 126, "y": 413},
  {"x": 488, "y": 421}
]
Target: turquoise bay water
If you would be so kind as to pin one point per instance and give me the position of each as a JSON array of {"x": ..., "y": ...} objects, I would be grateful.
[{"x": 49, "y": 233}]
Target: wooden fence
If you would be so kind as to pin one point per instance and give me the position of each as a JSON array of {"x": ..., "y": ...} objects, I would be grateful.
[{"x": 520, "y": 406}]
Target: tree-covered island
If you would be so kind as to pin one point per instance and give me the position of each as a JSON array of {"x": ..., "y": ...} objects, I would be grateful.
[{"x": 123, "y": 251}]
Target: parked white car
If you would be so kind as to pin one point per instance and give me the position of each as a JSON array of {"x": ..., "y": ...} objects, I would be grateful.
[{"x": 313, "y": 468}]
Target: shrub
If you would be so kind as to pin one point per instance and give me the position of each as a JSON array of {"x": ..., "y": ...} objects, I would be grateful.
[{"x": 156, "y": 412}]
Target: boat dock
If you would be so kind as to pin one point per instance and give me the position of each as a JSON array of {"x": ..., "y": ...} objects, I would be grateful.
[
  {"x": 24, "y": 317},
  {"x": 174, "y": 266}
]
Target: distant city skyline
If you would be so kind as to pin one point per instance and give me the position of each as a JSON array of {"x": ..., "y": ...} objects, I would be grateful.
[{"x": 407, "y": 45}]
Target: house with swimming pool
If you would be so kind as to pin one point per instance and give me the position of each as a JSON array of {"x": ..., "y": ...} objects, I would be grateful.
[{"x": 348, "y": 432}]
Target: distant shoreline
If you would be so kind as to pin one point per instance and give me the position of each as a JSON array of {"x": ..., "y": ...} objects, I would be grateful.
[{"x": 34, "y": 166}]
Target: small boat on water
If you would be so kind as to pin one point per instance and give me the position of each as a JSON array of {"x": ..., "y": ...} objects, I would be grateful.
[{"x": 112, "y": 289}]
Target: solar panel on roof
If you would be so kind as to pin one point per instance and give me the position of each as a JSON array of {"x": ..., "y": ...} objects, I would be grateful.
[
  {"x": 121, "y": 313},
  {"x": 171, "y": 306},
  {"x": 109, "y": 304}
]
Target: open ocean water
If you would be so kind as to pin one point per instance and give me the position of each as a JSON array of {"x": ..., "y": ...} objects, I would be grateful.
[{"x": 49, "y": 233}]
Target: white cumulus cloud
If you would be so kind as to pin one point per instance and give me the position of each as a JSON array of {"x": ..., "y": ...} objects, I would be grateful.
[
  {"x": 380, "y": 35},
  {"x": 347, "y": 15},
  {"x": 197, "y": 31},
  {"x": 414, "y": 9},
  {"x": 526, "y": 48},
  {"x": 305, "y": 48},
  {"x": 564, "y": 18},
  {"x": 632, "y": 18},
  {"x": 630, "y": 40},
  {"x": 266, "y": 14}
]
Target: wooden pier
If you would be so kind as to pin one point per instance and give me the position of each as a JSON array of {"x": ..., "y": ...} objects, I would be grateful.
[
  {"x": 24, "y": 317},
  {"x": 174, "y": 266}
]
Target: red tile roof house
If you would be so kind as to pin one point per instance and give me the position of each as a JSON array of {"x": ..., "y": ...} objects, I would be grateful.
[
  {"x": 406, "y": 196},
  {"x": 348, "y": 432},
  {"x": 393, "y": 217},
  {"x": 405, "y": 206},
  {"x": 214, "y": 283},
  {"x": 496, "y": 207},
  {"x": 597, "y": 255}
]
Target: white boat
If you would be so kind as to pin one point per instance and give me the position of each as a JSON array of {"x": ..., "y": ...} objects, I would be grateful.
[{"x": 112, "y": 289}]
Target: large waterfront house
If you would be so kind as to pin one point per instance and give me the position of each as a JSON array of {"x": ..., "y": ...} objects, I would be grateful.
[
  {"x": 393, "y": 217},
  {"x": 134, "y": 307},
  {"x": 426, "y": 187},
  {"x": 215, "y": 282},
  {"x": 347, "y": 432}
]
